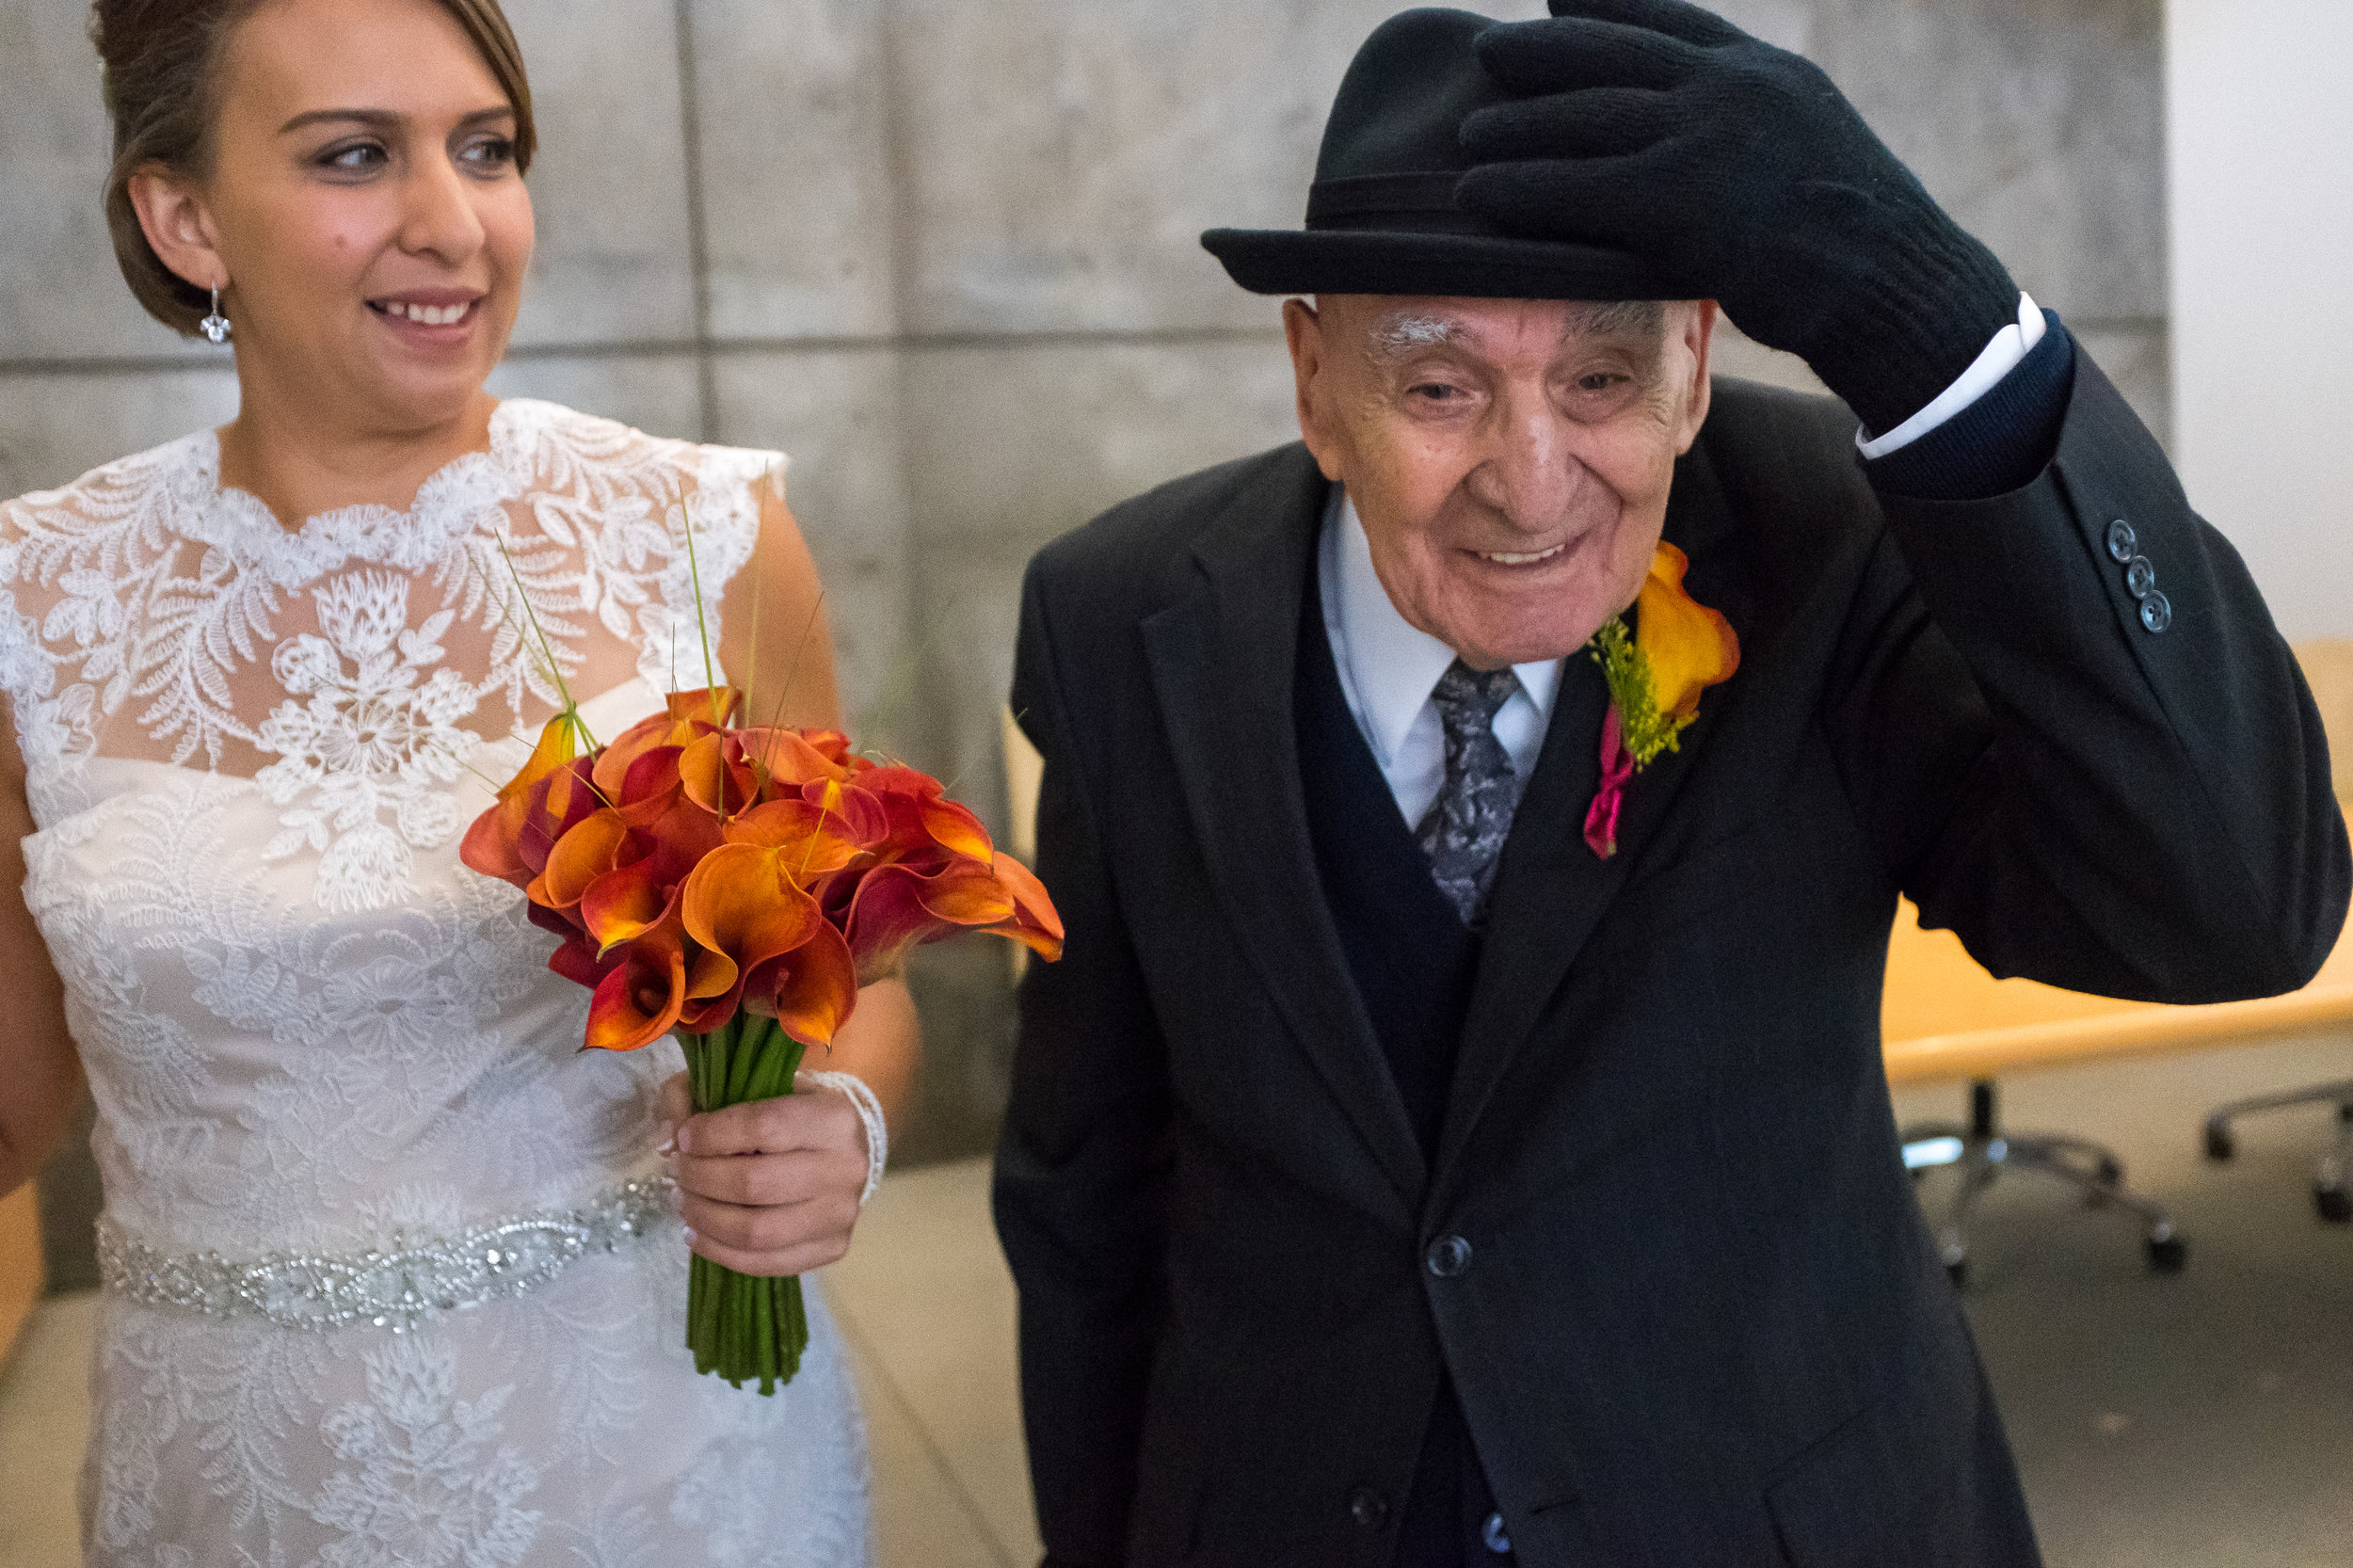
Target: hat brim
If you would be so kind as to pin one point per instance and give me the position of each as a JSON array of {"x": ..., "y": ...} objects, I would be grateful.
[{"x": 1466, "y": 266}]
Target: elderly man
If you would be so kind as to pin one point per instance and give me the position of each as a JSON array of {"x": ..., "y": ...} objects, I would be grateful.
[{"x": 1456, "y": 1132}]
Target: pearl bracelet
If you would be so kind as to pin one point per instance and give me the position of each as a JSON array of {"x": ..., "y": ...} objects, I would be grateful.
[{"x": 870, "y": 1113}]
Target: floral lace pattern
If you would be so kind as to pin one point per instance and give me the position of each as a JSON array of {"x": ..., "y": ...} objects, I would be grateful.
[
  {"x": 375, "y": 736},
  {"x": 142, "y": 607},
  {"x": 250, "y": 751}
]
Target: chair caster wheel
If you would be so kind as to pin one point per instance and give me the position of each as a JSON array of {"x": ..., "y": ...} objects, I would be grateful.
[
  {"x": 2166, "y": 1254},
  {"x": 2111, "y": 1173},
  {"x": 2335, "y": 1204},
  {"x": 1958, "y": 1274},
  {"x": 2219, "y": 1144}
]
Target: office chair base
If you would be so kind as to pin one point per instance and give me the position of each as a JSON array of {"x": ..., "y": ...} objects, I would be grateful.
[
  {"x": 1982, "y": 1150},
  {"x": 2331, "y": 1199}
]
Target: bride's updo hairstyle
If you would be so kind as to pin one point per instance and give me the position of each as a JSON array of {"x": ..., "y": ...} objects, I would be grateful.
[{"x": 163, "y": 66}]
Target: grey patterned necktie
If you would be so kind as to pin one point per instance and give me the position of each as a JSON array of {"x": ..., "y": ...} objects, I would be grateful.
[{"x": 1465, "y": 828}]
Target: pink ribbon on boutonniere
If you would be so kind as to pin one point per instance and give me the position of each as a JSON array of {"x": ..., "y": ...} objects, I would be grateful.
[
  {"x": 1656, "y": 674},
  {"x": 1617, "y": 767}
]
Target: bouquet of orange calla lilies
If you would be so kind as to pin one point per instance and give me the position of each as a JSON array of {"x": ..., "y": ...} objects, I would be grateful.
[{"x": 736, "y": 886}]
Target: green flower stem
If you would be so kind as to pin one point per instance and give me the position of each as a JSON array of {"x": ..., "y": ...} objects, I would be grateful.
[{"x": 742, "y": 1327}]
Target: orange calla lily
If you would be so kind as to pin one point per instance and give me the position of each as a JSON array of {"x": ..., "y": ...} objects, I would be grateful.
[
  {"x": 597, "y": 844},
  {"x": 717, "y": 776},
  {"x": 815, "y": 837},
  {"x": 899, "y": 906},
  {"x": 741, "y": 903},
  {"x": 711, "y": 705},
  {"x": 628, "y": 902},
  {"x": 1035, "y": 924},
  {"x": 1688, "y": 645},
  {"x": 492, "y": 844},
  {"x": 639, "y": 1000},
  {"x": 810, "y": 991}
]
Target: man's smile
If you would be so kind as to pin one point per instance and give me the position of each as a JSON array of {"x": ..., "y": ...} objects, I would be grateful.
[{"x": 1520, "y": 558}]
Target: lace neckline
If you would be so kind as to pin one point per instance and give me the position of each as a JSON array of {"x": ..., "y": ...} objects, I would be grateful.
[
  {"x": 450, "y": 503},
  {"x": 150, "y": 613}
]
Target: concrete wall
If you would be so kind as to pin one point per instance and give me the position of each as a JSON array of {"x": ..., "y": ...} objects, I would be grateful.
[
  {"x": 943, "y": 252},
  {"x": 2261, "y": 162}
]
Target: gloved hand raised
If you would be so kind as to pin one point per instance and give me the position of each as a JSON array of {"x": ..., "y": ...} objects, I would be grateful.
[{"x": 1741, "y": 173}]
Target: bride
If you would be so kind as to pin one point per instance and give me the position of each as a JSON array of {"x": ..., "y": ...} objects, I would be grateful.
[{"x": 259, "y": 678}]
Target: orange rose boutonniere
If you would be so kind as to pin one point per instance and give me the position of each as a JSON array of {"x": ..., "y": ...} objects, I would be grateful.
[{"x": 1656, "y": 673}]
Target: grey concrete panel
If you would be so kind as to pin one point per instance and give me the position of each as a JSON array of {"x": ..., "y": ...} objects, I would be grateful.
[
  {"x": 1059, "y": 158},
  {"x": 2039, "y": 124},
  {"x": 836, "y": 416},
  {"x": 613, "y": 260},
  {"x": 55, "y": 428},
  {"x": 1737, "y": 355},
  {"x": 2138, "y": 357},
  {"x": 61, "y": 296},
  {"x": 1784, "y": 23},
  {"x": 1009, "y": 448},
  {"x": 793, "y": 123}
]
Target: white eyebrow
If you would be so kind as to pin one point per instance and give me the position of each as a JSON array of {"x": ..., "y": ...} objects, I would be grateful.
[{"x": 1402, "y": 334}]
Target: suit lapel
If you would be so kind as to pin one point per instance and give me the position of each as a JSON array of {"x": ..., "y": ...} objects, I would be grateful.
[
  {"x": 1551, "y": 891},
  {"x": 1223, "y": 662}
]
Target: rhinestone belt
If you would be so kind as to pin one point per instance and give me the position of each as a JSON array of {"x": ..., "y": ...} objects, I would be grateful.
[{"x": 388, "y": 1286}]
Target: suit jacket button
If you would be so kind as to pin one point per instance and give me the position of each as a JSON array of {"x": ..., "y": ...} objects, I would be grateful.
[
  {"x": 1368, "y": 1507},
  {"x": 2140, "y": 576},
  {"x": 1449, "y": 1256},
  {"x": 2156, "y": 611},
  {"x": 2122, "y": 542}
]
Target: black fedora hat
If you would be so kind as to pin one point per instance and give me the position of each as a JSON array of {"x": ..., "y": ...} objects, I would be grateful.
[{"x": 1381, "y": 214}]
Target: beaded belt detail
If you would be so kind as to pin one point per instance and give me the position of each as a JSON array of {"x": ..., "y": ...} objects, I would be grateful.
[{"x": 389, "y": 1287}]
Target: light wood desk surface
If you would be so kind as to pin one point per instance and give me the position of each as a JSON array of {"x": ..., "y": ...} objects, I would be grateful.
[{"x": 1945, "y": 1019}]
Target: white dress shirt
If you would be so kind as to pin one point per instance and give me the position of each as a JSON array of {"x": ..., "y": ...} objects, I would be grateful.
[{"x": 1388, "y": 666}]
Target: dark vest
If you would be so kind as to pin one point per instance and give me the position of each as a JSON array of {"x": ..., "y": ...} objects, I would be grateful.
[
  {"x": 1411, "y": 958},
  {"x": 1413, "y": 963}
]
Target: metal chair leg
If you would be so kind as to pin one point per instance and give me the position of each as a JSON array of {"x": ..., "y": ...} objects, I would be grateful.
[
  {"x": 2329, "y": 1195},
  {"x": 1978, "y": 1165},
  {"x": 1930, "y": 1144},
  {"x": 2101, "y": 1158},
  {"x": 2166, "y": 1251},
  {"x": 2221, "y": 1145},
  {"x": 1981, "y": 1149}
]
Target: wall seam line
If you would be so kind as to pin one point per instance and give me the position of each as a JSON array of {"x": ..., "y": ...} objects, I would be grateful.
[{"x": 697, "y": 227}]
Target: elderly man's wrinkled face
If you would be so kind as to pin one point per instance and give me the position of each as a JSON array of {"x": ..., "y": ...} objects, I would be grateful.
[{"x": 1510, "y": 458}]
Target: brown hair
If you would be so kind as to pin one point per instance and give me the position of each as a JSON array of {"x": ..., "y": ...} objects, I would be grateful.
[{"x": 163, "y": 61}]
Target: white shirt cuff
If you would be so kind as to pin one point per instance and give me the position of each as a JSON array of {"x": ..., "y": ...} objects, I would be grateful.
[{"x": 2000, "y": 358}]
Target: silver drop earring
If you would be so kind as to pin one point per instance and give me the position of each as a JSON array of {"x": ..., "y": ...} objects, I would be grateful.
[{"x": 215, "y": 326}]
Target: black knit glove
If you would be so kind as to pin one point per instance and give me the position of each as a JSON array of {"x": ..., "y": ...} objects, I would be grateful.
[{"x": 1741, "y": 173}]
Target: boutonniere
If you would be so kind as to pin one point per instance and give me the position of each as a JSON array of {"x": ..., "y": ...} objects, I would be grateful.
[{"x": 1656, "y": 674}]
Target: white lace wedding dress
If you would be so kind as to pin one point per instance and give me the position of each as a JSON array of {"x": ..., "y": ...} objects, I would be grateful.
[{"x": 341, "y": 1099}]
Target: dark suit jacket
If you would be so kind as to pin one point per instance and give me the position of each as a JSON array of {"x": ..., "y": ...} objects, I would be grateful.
[{"x": 1701, "y": 1321}]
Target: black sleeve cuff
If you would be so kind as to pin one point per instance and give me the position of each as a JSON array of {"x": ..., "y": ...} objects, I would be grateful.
[{"x": 1998, "y": 443}]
